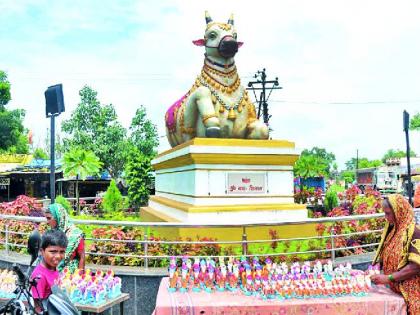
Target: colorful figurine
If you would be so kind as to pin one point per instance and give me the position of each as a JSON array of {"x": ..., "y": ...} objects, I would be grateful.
[
  {"x": 196, "y": 279},
  {"x": 185, "y": 277},
  {"x": 173, "y": 278}
]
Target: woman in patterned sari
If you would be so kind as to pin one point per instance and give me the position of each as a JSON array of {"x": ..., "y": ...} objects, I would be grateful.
[
  {"x": 399, "y": 252},
  {"x": 58, "y": 218}
]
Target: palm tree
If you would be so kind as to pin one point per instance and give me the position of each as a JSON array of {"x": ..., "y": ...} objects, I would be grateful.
[{"x": 80, "y": 163}]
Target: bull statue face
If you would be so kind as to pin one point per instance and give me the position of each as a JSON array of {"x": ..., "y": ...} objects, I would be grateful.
[{"x": 220, "y": 39}]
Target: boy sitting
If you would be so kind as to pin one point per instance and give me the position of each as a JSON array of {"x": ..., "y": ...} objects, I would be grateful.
[{"x": 53, "y": 248}]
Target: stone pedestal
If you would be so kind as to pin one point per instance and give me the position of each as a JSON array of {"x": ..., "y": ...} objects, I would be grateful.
[{"x": 226, "y": 180}]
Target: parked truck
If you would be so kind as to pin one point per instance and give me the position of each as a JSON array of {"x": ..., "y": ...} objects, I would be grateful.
[{"x": 381, "y": 178}]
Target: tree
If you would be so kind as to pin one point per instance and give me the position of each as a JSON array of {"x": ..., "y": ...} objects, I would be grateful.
[
  {"x": 5, "y": 96},
  {"x": 415, "y": 122},
  {"x": 310, "y": 166},
  {"x": 314, "y": 163},
  {"x": 396, "y": 154},
  {"x": 80, "y": 163},
  {"x": 362, "y": 163},
  {"x": 13, "y": 137},
  {"x": 10, "y": 127},
  {"x": 143, "y": 133},
  {"x": 39, "y": 153},
  {"x": 95, "y": 127},
  {"x": 326, "y": 158},
  {"x": 138, "y": 177},
  {"x": 348, "y": 176}
]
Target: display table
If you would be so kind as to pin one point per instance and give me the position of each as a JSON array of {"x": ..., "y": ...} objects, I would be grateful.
[
  {"x": 380, "y": 300},
  {"x": 90, "y": 309}
]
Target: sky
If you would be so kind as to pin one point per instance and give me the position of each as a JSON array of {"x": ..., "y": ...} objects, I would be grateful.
[{"x": 348, "y": 69}]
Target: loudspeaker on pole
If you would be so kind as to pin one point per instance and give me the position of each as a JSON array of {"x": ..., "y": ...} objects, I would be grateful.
[{"x": 54, "y": 100}]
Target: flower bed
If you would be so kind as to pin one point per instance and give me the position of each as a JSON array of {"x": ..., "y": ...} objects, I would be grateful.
[
  {"x": 125, "y": 240},
  {"x": 352, "y": 203},
  {"x": 23, "y": 206},
  {"x": 132, "y": 247}
]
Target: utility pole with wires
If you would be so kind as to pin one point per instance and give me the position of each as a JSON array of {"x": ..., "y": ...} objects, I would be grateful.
[{"x": 262, "y": 84}]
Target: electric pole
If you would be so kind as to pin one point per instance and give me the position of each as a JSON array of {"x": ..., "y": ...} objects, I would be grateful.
[
  {"x": 262, "y": 84},
  {"x": 406, "y": 125},
  {"x": 357, "y": 159}
]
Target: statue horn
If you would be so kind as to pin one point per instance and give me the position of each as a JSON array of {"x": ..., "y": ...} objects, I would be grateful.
[
  {"x": 230, "y": 21},
  {"x": 208, "y": 18}
]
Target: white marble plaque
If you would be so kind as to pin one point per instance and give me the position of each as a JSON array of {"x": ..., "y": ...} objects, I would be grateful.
[{"x": 246, "y": 183}]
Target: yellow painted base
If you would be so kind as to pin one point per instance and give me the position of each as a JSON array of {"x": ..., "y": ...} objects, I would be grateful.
[
  {"x": 225, "y": 234},
  {"x": 189, "y": 158},
  {"x": 186, "y": 207}
]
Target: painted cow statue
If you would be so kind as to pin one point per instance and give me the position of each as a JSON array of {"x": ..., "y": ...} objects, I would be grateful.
[{"x": 217, "y": 105}]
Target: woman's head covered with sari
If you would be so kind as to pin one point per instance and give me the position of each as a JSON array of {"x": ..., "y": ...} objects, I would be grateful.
[
  {"x": 402, "y": 228},
  {"x": 73, "y": 233}
]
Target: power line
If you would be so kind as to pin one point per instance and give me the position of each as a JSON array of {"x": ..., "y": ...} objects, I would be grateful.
[{"x": 345, "y": 103}]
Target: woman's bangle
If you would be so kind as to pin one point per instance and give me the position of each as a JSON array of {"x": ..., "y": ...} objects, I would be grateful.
[{"x": 391, "y": 278}]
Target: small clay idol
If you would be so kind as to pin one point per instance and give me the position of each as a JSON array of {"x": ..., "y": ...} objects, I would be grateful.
[
  {"x": 348, "y": 269},
  {"x": 233, "y": 278},
  {"x": 184, "y": 278},
  {"x": 221, "y": 278},
  {"x": 268, "y": 265},
  {"x": 188, "y": 262},
  {"x": 230, "y": 265},
  {"x": 209, "y": 280},
  {"x": 221, "y": 261},
  {"x": 196, "y": 280},
  {"x": 173, "y": 277},
  {"x": 306, "y": 268},
  {"x": 203, "y": 272},
  {"x": 255, "y": 261},
  {"x": 329, "y": 267},
  {"x": 285, "y": 268},
  {"x": 258, "y": 270},
  {"x": 370, "y": 270},
  {"x": 249, "y": 286},
  {"x": 295, "y": 268},
  {"x": 257, "y": 283},
  {"x": 266, "y": 288},
  {"x": 317, "y": 268},
  {"x": 273, "y": 268}
]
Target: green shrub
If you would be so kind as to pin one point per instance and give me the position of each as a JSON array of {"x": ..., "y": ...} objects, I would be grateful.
[
  {"x": 65, "y": 203},
  {"x": 331, "y": 197},
  {"x": 113, "y": 200},
  {"x": 138, "y": 177},
  {"x": 331, "y": 200},
  {"x": 39, "y": 153}
]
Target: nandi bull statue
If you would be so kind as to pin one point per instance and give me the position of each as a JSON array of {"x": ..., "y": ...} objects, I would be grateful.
[{"x": 217, "y": 105}]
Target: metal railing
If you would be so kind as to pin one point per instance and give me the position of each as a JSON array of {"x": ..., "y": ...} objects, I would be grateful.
[{"x": 243, "y": 243}]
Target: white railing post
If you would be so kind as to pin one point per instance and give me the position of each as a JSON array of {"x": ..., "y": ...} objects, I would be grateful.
[
  {"x": 146, "y": 252},
  {"x": 244, "y": 242},
  {"x": 332, "y": 245},
  {"x": 6, "y": 238}
]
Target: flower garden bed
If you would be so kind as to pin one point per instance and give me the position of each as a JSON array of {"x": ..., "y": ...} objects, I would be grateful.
[{"x": 124, "y": 241}]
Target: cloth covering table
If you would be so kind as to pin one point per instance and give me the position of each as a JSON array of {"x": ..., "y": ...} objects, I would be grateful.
[{"x": 380, "y": 301}]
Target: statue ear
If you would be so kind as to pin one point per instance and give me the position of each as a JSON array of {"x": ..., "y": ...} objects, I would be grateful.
[
  {"x": 240, "y": 44},
  {"x": 199, "y": 42}
]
